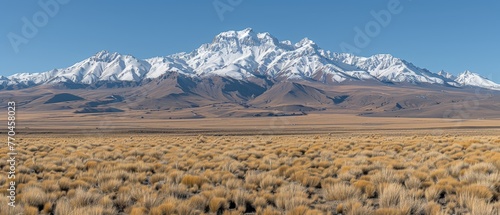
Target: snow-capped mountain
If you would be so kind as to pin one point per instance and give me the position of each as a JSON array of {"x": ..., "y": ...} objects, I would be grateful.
[
  {"x": 469, "y": 78},
  {"x": 449, "y": 78},
  {"x": 245, "y": 54},
  {"x": 387, "y": 68},
  {"x": 103, "y": 66}
]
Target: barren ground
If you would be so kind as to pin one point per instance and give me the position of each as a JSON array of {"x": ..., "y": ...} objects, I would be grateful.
[{"x": 314, "y": 164}]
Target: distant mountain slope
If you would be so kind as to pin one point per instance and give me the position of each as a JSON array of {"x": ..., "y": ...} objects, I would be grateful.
[{"x": 289, "y": 93}]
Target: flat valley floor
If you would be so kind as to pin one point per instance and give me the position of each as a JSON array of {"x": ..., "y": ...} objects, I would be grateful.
[{"x": 314, "y": 164}]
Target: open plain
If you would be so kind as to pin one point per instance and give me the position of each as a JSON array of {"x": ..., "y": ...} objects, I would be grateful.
[{"x": 313, "y": 164}]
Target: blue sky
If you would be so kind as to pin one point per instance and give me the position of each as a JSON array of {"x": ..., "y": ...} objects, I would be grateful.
[{"x": 452, "y": 35}]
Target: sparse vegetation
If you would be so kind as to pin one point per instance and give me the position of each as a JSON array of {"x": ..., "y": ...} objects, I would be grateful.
[{"x": 287, "y": 174}]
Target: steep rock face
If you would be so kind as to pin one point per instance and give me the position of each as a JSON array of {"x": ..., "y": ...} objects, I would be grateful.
[{"x": 246, "y": 55}]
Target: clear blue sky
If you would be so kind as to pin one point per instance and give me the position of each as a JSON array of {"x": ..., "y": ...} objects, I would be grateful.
[{"x": 451, "y": 35}]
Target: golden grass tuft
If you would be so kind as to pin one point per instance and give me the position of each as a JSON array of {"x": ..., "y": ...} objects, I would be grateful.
[
  {"x": 390, "y": 195},
  {"x": 34, "y": 196},
  {"x": 389, "y": 211},
  {"x": 291, "y": 196},
  {"x": 164, "y": 209},
  {"x": 367, "y": 187},
  {"x": 138, "y": 211},
  {"x": 192, "y": 180},
  {"x": 341, "y": 192},
  {"x": 215, "y": 204}
]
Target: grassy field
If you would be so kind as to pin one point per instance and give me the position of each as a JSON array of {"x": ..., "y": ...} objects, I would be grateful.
[{"x": 372, "y": 173}]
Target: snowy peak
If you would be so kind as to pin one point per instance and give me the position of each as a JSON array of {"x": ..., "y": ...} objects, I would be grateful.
[
  {"x": 105, "y": 56},
  {"x": 468, "y": 73},
  {"x": 469, "y": 78},
  {"x": 446, "y": 75},
  {"x": 248, "y": 32},
  {"x": 246, "y": 37},
  {"x": 306, "y": 42}
]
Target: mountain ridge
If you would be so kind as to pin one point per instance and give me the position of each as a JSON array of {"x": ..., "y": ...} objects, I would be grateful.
[{"x": 245, "y": 55}]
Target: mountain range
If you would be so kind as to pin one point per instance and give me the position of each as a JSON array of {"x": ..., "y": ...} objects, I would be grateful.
[
  {"x": 244, "y": 55},
  {"x": 253, "y": 70}
]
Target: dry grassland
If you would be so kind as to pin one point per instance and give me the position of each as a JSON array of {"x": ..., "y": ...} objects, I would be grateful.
[{"x": 303, "y": 174}]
